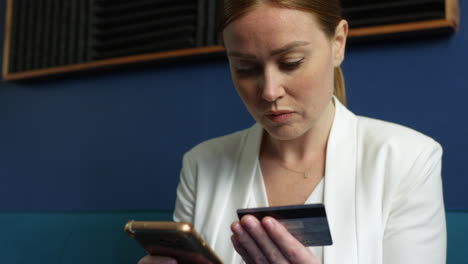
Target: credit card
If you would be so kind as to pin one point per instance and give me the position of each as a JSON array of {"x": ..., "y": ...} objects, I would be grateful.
[{"x": 307, "y": 223}]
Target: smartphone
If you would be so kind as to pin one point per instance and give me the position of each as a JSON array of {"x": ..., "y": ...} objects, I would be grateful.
[{"x": 177, "y": 240}]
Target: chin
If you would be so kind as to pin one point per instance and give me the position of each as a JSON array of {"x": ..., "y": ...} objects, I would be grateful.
[{"x": 284, "y": 132}]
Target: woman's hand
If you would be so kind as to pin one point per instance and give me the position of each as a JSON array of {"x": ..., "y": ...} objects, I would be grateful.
[
  {"x": 157, "y": 260},
  {"x": 268, "y": 241}
]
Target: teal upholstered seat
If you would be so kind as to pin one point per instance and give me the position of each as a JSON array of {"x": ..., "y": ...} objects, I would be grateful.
[
  {"x": 98, "y": 237},
  {"x": 457, "y": 244},
  {"x": 70, "y": 238}
]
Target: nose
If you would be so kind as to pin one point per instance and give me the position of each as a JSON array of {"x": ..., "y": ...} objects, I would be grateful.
[{"x": 270, "y": 86}]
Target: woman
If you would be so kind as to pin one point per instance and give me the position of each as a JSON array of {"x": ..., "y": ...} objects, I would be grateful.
[{"x": 380, "y": 182}]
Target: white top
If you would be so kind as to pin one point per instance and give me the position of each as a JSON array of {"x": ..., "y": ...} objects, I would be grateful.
[
  {"x": 382, "y": 191},
  {"x": 260, "y": 198},
  {"x": 317, "y": 197}
]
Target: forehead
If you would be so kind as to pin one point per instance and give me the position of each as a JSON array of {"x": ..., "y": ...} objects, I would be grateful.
[{"x": 271, "y": 26}]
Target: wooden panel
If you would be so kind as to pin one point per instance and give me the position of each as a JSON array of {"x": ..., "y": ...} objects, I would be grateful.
[
  {"x": 400, "y": 28},
  {"x": 116, "y": 61},
  {"x": 7, "y": 42},
  {"x": 452, "y": 8},
  {"x": 83, "y": 59},
  {"x": 450, "y": 23}
]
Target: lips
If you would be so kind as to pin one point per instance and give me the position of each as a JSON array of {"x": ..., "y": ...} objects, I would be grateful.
[{"x": 279, "y": 116}]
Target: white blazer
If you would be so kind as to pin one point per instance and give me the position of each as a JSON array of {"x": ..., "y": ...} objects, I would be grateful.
[{"x": 383, "y": 191}]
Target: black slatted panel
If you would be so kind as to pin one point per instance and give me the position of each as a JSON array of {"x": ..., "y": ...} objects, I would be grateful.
[
  {"x": 362, "y": 13},
  {"x": 15, "y": 40},
  {"x": 62, "y": 31},
  {"x": 83, "y": 51},
  {"x": 72, "y": 33},
  {"x": 56, "y": 33},
  {"x": 38, "y": 34},
  {"x": 21, "y": 48},
  {"x": 211, "y": 29},
  {"x": 201, "y": 23},
  {"x": 29, "y": 32},
  {"x": 122, "y": 28},
  {"x": 47, "y": 36},
  {"x": 48, "y": 33},
  {"x": 53, "y": 33}
]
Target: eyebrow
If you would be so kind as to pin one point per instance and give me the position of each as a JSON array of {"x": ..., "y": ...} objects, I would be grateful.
[{"x": 281, "y": 50}]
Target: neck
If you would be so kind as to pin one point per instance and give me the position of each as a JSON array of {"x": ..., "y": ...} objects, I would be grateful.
[{"x": 306, "y": 149}]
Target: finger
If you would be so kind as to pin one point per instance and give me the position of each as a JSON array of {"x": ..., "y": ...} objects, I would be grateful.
[
  {"x": 244, "y": 239},
  {"x": 292, "y": 249},
  {"x": 157, "y": 260},
  {"x": 241, "y": 250},
  {"x": 263, "y": 240}
]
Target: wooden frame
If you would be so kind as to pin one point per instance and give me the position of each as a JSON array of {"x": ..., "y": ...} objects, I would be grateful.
[
  {"x": 109, "y": 62},
  {"x": 450, "y": 22},
  {"x": 6, "y": 43}
]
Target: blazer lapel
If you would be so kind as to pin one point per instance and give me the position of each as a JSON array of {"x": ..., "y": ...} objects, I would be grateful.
[
  {"x": 239, "y": 193},
  {"x": 340, "y": 181},
  {"x": 248, "y": 161}
]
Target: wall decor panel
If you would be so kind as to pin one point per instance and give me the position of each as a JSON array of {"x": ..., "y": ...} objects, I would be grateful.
[{"x": 46, "y": 37}]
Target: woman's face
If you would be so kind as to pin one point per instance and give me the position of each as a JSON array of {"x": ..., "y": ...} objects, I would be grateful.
[{"x": 282, "y": 65}]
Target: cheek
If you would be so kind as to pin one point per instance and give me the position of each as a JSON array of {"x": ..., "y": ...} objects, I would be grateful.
[
  {"x": 308, "y": 82},
  {"x": 243, "y": 87},
  {"x": 246, "y": 90},
  {"x": 240, "y": 87},
  {"x": 314, "y": 84}
]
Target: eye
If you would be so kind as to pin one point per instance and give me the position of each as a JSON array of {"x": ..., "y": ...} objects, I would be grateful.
[
  {"x": 291, "y": 65},
  {"x": 247, "y": 71}
]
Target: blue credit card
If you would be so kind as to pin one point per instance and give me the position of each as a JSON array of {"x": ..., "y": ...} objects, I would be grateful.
[{"x": 307, "y": 223}]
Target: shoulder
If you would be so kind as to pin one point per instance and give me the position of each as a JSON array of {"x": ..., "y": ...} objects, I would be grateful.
[
  {"x": 399, "y": 152},
  {"x": 226, "y": 147},
  {"x": 374, "y": 135},
  {"x": 382, "y": 134},
  {"x": 212, "y": 164}
]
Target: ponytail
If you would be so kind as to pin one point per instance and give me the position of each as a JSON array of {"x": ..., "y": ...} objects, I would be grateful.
[{"x": 340, "y": 89}]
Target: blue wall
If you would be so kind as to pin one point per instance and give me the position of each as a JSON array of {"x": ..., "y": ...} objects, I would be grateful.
[{"x": 114, "y": 140}]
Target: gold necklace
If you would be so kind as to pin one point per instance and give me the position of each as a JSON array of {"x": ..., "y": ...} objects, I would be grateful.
[{"x": 305, "y": 174}]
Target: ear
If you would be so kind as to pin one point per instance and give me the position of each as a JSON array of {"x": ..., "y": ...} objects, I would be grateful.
[{"x": 339, "y": 42}]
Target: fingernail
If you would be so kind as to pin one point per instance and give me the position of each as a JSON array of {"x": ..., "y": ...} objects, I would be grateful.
[
  {"x": 237, "y": 228},
  {"x": 268, "y": 223},
  {"x": 250, "y": 223},
  {"x": 164, "y": 260}
]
